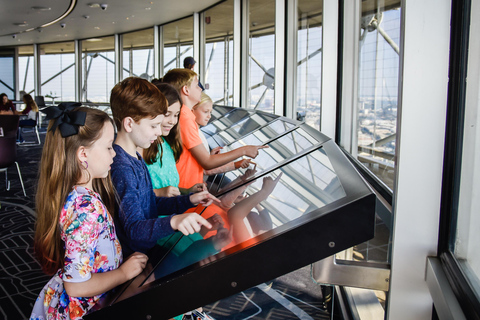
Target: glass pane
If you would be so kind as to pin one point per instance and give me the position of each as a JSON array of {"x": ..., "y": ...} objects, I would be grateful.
[
  {"x": 378, "y": 88},
  {"x": 7, "y": 85},
  {"x": 98, "y": 69},
  {"x": 178, "y": 43},
  {"x": 138, "y": 54},
  {"x": 309, "y": 57},
  {"x": 218, "y": 69},
  {"x": 169, "y": 58},
  {"x": 465, "y": 239},
  {"x": 262, "y": 55},
  {"x": 258, "y": 207},
  {"x": 57, "y": 62}
]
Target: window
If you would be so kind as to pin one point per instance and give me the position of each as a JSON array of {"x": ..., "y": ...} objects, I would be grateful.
[
  {"x": 309, "y": 61},
  {"x": 378, "y": 89},
  {"x": 98, "y": 69},
  {"x": 219, "y": 53},
  {"x": 138, "y": 54},
  {"x": 178, "y": 43},
  {"x": 261, "y": 60},
  {"x": 57, "y": 61}
]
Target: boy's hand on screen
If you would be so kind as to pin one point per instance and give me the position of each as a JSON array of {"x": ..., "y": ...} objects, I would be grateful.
[
  {"x": 252, "y": 151},
  {"x": 134, "y": 265},
  {"x": 189, "y": 223},
  {"x": 204, "y": 198}
]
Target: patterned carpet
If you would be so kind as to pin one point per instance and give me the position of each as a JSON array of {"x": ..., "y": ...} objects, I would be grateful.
[
  {"x": 21, "y": 278},
  {"x": 293, "y": 296}
]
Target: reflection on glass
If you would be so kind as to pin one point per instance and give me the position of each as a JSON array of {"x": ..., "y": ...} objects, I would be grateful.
[
  {"x": 98, "y": 67},
  {"x": 378, "y": 88},
  {"x": 226, "y": 122},
  {"x": 278, "y": 150},
  {"x": 262, "y": 55},
  {"x": 261, "y": 205},
  {"x": 218, "y": 112},
  {"x": 57, "y": 71},
  {"x": 309, "y": 61},
  {"x": 218, "y": 53},
  {"x": 245, "y": 126}
]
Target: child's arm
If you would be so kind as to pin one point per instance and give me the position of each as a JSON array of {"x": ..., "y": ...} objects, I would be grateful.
[
  {"x": 209, "y": 161},
  {"x": 103, "y": 282}
]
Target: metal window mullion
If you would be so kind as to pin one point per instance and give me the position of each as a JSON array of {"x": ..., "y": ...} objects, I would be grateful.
[
  {"x": 200, "y": 65},
  {"x": 36, "y": 70},
  {"x": 158, "y": 51},
  {"x": 78, "y": 70},
  {"x": 118, "y": 57},
  {"x": 288, "y": 61}
]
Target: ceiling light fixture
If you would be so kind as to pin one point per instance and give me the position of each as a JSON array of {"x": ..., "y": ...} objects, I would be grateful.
[
  {"x": 41, "y": 8},
  {"x": 21, "y": 24},
  {"x": 94, "y": 5},
  {"x": 73, "y": 3}
]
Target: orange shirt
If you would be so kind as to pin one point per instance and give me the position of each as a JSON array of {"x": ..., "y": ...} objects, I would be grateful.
[{"x": 189, "y": 170}]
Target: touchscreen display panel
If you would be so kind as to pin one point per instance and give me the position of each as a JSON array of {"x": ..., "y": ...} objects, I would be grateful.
[
  {"x": 245, "y": 126},
  {"x": 226, "y": 121},
  {"x": 250, "y": 212}
]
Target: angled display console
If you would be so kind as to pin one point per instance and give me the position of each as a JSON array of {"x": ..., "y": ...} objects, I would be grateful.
[{"x": 299, "y": 201}]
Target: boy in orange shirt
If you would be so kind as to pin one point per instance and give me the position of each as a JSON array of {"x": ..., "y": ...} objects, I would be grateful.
[{"x": 195, "y": 158}]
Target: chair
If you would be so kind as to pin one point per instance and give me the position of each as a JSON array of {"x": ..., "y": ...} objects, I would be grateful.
[
  {"x": 34, "y": 127},
  {"x": 40, "y": 101},
  {"x": 8, "y": 146}
]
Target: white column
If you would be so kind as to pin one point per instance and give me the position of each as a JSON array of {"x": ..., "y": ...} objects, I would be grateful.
[
  {"x": 78, "y": 70},
  {"x": 279, "y": 84},
  {"x": 118, "y": 58},
  {"x": 424, "y": 59},
  {"x": 329, "y": 68}
]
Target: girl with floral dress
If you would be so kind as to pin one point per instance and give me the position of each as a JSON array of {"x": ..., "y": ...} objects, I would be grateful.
[{"x": 75, "y": 237}]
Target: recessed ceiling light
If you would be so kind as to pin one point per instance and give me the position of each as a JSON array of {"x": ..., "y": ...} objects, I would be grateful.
[
  {"x": 94, "y": 40},
  {"x": 148, "y": 8},
  {"x": 94, "y": 5},
  {"x": 41, "y": 8},
  {"x": 98, "y": 28},
  {"x": 21, "y": 24}
]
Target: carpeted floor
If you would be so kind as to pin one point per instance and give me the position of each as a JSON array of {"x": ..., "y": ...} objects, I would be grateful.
[
  {"x": 293, "y": 296},
  {"x": 21, "y": 278}
]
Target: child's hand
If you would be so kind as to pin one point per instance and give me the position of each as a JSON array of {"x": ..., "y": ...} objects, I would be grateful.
[
  {"x": 168, "y": 192},
  {"x": 222, "y": 238},
  {"x": 204, "y": 198},
  {"x": 189, "y": 223},
  {"x": 216, "y": 150},
  {"x": 134, "y": 265},
  {"x": 252, "y": 151},
  {"x": 244, "y": 163},
  {"x": 269, "y": 184},
  {"x": 198, "y": 187}
]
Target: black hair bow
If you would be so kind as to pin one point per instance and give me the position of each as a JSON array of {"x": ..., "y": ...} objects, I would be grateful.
[{"x": 67, "y": 120}]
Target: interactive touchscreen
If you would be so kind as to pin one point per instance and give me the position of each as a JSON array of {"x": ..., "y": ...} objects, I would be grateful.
[
  {"x": 256, "y": 208},
  {"x": 227, "y": 121},
  {"x": 245, "y": 126},
  {"x": 220, "y": 111}
]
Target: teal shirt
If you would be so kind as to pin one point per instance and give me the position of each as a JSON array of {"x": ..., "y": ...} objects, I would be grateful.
[{"x": 166, "y": 174}]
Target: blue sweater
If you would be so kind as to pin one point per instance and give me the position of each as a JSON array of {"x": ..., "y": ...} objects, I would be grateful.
[{"x": 136, "y": 220}]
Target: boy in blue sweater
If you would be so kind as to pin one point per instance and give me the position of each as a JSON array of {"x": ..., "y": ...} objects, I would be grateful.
[{"x": 138, "y": 108}]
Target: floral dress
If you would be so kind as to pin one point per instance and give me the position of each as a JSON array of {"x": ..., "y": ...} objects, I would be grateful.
[{"x": 91, "y": 246}]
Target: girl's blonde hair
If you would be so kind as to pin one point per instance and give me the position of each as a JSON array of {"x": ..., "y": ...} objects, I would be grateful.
[
  {"x": 204, "y": 99},
  {"x": 60, "y": 170},
  {"x": 30, "y": 102}
]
